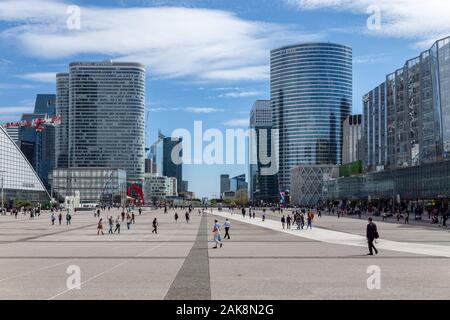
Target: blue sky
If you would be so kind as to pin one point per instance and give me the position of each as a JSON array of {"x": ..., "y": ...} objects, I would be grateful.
[{"x": 207, "y": 60}]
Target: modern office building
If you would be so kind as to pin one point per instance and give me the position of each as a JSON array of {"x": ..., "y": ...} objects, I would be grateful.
[
  {"x": 158, "y": 188},
  {"x": 307, "y": 183},
  {"x": 62, "y": 110},
  {"x": 263, "y": 173},
  {"x": 18, "y": 180},
  {"x": 311, "y": 95},
  {"x": 93, "y": 185},
  {"x": 184, "y": 186},
  {"x": 352, "y": 133},
  {"x": 105, "y": 127},
  {"x": 38, "y": 144},
  {"x": 224, "y": 184},
  {"x": 238, "y": 183},
  {"x": 13, "y": 133},
  {"x": 171, "y": 167},
  {"x": 406, "y": 134},
  {"x": 429, "y": 181},
  {"x": 406, "y": 119}
]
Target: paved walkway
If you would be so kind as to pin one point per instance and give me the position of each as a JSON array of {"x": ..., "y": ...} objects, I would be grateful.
[
  {"x": 342, "y": 238},
  {"x": 258, "y": 262}
]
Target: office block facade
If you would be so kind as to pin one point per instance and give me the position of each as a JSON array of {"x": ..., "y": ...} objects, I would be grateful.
[
  {"x": 170, "y": 166},
  {"x": 105, "y": 113},
  {"x": 352, "y": 133},
  {"x": 263, "y": 184},
  {"x": 406, "y": 119},
  {"x": 311, "y": 95}
]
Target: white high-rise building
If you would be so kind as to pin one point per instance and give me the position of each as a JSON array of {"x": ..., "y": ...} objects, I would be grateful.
[{"x": 104, "y": 124}]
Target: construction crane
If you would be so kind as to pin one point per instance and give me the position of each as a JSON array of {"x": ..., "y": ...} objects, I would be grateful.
[{"x": 37, "y": 124}]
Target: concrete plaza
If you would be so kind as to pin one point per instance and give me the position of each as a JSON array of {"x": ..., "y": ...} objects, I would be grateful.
[{"x": 260, "y": 261}]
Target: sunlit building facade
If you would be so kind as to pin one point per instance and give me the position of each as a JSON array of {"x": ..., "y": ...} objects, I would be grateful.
[
  {"x": 311, "y": 95},
  {"x": 406, "y": 119},
  {"x": 18, "y": 179}
]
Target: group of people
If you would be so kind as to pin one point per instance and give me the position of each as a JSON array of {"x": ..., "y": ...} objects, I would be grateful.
[
  {"x": 298, "y": 219},
  {"x": 128, "y": 217},
  {"x": 217, "y": 232}
]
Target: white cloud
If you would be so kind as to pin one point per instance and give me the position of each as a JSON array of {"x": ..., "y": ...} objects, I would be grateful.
[
  {"x": 15, "y": 109},
  {"x": 370, "y": 59},
  {"x": 242, "y": 122},
  {"x": 241, "y": 94},
  {"x": 205, "y": 110},
  {"x": 171, "y": 41},
  {"x": 424, "y": 21},
  {"x": 46, "y": 77},
  {"x": 12, "y": 86}
]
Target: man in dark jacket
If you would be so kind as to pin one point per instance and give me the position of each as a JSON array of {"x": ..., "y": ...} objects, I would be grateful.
[{"x": 371, "y": 235}]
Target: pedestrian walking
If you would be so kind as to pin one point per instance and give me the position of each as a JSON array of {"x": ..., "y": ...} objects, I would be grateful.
[
  {"x": 60, "y": 218},
  {"x": 117, "y": 225},
  {"x": 128, "y": 221},
  {"x": 187, "y": 217},
  {"x": 155, "y": 226},
  {"x": 111, "y": 225},
  {"x": 283, "y": 221},
  {"x": 132, "y": 218},
  {"x": 53, "y": 219},
  {"x": 407, "y": 218},
  {"x": 100, "y": 227},
  {"x": 371, "y": 234},
  {"x": 176, "y": 217},
  {"x": 227, "y": 226},
  {"x": 288, "y": 222},
  {"x": 309, "y": 220},
  {"x": 217, "y": 236}
]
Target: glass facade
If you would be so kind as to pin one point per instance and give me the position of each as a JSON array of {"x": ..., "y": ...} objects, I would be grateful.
[
  {"x": 352, "y": 133},
  {"x": 238, "y": 183},
  {"x": 224, "y": 184},
  {"x": 105, "y": 127},
  {"x": 311, "y": 95},
  {"x": 263, "y": 187},
  {"x": 95, "y": 185},
  {"x": 170, "y": 168},
  {"x": 39, "y": 145},
  {"x": 307, "y": 183},
  {"x": 17, "y": 176},
  {"x": 406, "y": 119},
  {"x": 423, "y": 182},
  {"x": 62, "y": 131}
]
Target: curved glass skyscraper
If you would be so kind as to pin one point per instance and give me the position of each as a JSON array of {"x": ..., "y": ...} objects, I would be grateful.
[{"x": 311, "y": 95}]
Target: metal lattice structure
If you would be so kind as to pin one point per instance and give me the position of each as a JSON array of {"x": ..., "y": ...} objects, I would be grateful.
[{"x": 307, "y": 183}]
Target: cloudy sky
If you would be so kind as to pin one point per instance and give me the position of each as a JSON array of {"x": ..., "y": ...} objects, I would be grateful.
[{"x": 207, "y": 60}]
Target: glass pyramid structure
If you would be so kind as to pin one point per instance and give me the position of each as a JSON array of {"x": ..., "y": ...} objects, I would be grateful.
[{"x": 20, "y": 181}]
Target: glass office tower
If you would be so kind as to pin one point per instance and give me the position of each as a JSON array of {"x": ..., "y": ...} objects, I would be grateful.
[
  {"x": 407, "y": 118},
  {"x": 105, "y": 116},
  {"x": 62, "y": 109},
  {"x": 170, "y": 168},
  {"x": 263, "y": 186},
  {"x": 311, "y": 95}
]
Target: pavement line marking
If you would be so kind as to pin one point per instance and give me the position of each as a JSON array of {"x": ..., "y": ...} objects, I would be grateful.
[
  {"x": 342, "y": 238},
  {"x": 116, "y": 266},
  {"x": 193, "y": 280},
  {"x": 35, "y": 270}
]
